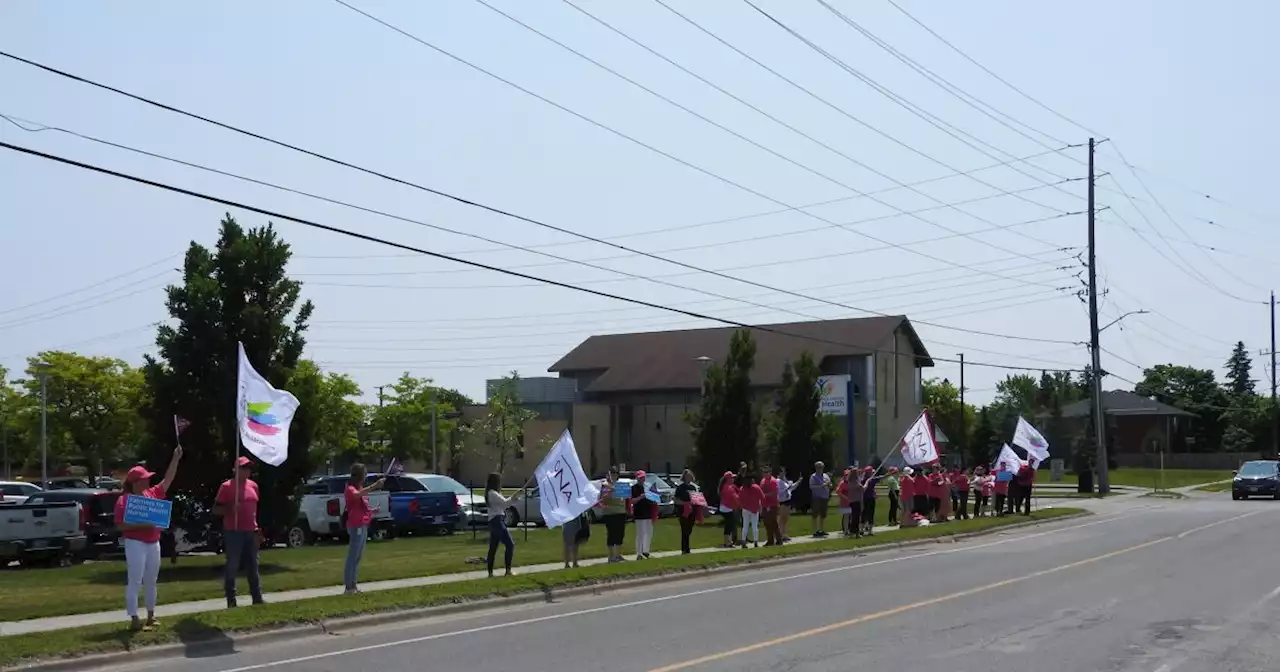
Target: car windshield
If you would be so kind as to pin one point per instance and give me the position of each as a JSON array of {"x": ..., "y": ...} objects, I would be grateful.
[
  {"x": 443, "y": 484},
  {"x": 1258, "y": 469}
]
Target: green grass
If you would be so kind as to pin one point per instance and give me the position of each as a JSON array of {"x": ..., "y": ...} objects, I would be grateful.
[
  {"x": 94, "y": 587},
  {"x": 1150, "y": 478},
  {"x": 210, "y": 625},
  {"x": 1215, "y": 487}
]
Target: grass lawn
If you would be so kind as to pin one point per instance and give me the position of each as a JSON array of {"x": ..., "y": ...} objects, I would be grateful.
[
  {"x": 93, "y": 587},
  {"x": 94, "y": 639},
  {"x": 1215, "y": 487},
  {"x": 1150, "y": 478}
]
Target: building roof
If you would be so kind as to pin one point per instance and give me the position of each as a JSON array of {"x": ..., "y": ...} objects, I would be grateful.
[
  {"x": 1122, "y": 402},
  {"x": 667, "y": 360}
]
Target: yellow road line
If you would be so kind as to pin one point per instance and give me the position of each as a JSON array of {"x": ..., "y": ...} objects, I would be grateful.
[{"x": 930, "y": 602}]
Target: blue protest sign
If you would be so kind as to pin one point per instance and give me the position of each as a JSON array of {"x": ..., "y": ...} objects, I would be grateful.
[
  {"x": 147, "y": 511},
  {"x": 1004, "y": 476},
  {"x": 653, "y": 496}
]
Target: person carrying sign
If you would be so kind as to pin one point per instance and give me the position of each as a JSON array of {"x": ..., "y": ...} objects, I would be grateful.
[{"x": 142, "y": 541}]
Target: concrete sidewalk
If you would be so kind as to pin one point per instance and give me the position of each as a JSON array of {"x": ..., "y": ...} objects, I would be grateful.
[{"x": 181, "y": 608}]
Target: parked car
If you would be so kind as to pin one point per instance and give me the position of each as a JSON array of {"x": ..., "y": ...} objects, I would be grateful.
[
  {"x": 97, "y": 520},
  {"x": 17, "y": 492},
  {"x": 41, "y": 533},
  {"x": 67, "y": 483},
  {"x": 405, "y": 506},
  {"x": 107, "y": 483},
  {"x": 473, "y": 510},
  {"x": 665, "y": 489},
  {"x": 1257, "y": 478}
]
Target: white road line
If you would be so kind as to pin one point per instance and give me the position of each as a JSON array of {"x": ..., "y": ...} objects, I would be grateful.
[{"x": 706, "y": 591}]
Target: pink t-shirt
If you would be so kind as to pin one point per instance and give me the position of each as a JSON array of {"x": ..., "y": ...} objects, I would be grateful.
[
  {"x": 729, "y": 496},
  {"x": 769, "y": 486},
  {"x": 242, "y": 516},
  {"x": 960, "y": 480},
  {"x": 843, "y": 491},
  {"x": 150, "y": 535},
  {"x": 988, "y": 486},
  {"x": 359, "y": 513},
  {"x": 751, "y": 497}
]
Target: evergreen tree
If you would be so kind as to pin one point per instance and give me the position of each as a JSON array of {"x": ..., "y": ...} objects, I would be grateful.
[
  {"x": 1239, "y": 366},
  {"x": 798, "y": 435},
  {"x": 726, "y": 426},
  {"x": 238, "y": 292},
  {"x": 986, "y": 442}
]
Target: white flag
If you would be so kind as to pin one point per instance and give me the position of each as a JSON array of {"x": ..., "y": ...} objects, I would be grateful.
[
  {"x": 263, "y": 414},
  {"x": 918, "y": 446},
  {"x": 1008, "y": 460},
  {"x": 1026, "y": 437},
  {"x": 566, "y": 491}
]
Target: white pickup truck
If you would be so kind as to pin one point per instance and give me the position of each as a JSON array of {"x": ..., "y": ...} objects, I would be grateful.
[
  {"x": 320, "y": 513},
  {"x": 49, "y": 533}
]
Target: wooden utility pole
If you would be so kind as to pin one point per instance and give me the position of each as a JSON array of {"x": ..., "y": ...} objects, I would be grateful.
[{"x": 1099, "y": 421}]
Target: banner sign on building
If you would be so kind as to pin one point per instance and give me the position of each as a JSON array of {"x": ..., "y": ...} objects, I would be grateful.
[{"x": 834, "y": 393}]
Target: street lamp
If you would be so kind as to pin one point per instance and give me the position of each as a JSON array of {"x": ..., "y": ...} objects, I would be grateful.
[
  {"x": 42, "y": 369},
  {"x": 705, "y": 362}
]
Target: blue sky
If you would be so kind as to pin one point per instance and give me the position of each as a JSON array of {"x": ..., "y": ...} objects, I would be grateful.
[{"x": 1182, "y": 89}]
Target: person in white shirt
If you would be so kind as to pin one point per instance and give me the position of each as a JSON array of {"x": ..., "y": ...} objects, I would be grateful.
[
  {"x": 498, "y": 532},
  {"x": 785, "y": 488}
]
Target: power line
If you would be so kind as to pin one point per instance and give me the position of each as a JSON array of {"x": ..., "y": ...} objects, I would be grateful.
[
  {"x": 505, "y": 247},
  {"x": 652, "y": 148},
  {"x": 997, "y": 77},
  {"x": 440, "y": 255},
  {"x": 94, "y": 285},
  {"x": 625, "y": 275},
  {"x": 928, "y": 117},
  {"x": 93, "y": 301},
  {"x": 528, "y": 219}
]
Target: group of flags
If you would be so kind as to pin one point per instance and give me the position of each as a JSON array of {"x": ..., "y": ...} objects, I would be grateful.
[{"x": 918, "y": 445}]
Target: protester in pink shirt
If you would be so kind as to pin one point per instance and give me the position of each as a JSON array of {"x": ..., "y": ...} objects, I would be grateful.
[
  {"x": 846, "y": 504},
  {"x": 1001, "y": 488},
  {"x": 237, "y": 505},
  {"x": 769, "y": 515},
  {"x": 141, "y": 541},
  {"x": 729, "y": 508},
  {"x": 751, "y": 498},
  {"x": 960, "y": 481},
  {"x": 359, "y": 515}
]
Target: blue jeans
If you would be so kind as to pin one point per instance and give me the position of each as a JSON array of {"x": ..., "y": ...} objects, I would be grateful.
[
  {"x": 499, "y": 534},
  {"x": 242, "y": 551},
  {"x": 359, "y": 536}
]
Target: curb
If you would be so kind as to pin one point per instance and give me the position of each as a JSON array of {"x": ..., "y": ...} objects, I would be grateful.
[{"x": 549, "y": 594}]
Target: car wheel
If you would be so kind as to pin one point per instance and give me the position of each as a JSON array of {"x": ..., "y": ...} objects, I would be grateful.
[
  {"x": 513, "y": 518},
  {"x": 379, "y": 533},
  {"x": 298, "y": 536}
]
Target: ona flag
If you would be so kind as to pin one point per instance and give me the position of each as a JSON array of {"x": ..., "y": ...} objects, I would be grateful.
[
  {"x": 566, "y": 490},
  {"x": 1026, "y": 437},
  {"x": 917, "y": 445},
  {"x": 1008, "y": 460},
  {"x": 263, "y": 414}
]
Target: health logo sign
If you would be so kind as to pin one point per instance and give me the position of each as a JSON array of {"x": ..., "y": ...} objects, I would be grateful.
[{"x": 260, "y": 420}]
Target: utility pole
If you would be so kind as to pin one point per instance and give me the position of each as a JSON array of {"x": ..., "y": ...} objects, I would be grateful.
[
  {"x": 1099, "y": 423},
  {"x": 964, "y": 436},
  {"x": 1275, "y": 410},
  {"x": 382, "y": 437},
  {"x": 435, "y": 466}
]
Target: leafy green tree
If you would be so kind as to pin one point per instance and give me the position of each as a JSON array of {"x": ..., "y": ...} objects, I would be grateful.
[
  {"x": 986, "y": 441},
  {"x": 1015, "y": 395},
  {"x": 797, "y": 434},
  {"x": 942, "y": 398},
  {"x": 237, "y": 292},
  {"x": 17, "y": 416},
  {"x": 404, "y": 419},
  {"x": 92, "y": 407},
  {"x": 503, "y": 425},
  {"x": 726, "y": 425},
  {"x": 339, "y": 418},
  {"x": 1191, "y": 389}
]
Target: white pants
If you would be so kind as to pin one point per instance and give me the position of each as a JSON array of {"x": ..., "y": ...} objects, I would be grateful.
[
  {"x": 644, "y": 536},
  {"x": 750, "y": 520},
  {"x": 143, "y": 560}
]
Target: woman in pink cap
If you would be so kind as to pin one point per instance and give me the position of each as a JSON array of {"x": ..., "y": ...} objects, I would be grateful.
[{"x": 142, "y": 542}]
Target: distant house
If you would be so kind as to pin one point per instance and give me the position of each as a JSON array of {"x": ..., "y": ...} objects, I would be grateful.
[
  {"x": 1138, "y": 429},
  {"x": 635, "y": 390}
]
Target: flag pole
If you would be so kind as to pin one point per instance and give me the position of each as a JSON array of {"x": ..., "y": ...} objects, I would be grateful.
[{"x": 898, "y": 448}]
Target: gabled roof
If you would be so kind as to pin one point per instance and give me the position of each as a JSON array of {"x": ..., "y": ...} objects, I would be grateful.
[
  {"x": 1122, "y": 402},
  {"x": 667, "y": 360}
]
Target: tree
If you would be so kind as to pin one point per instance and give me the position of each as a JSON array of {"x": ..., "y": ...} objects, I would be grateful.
[
  {"x": 503, "y": 424},
  {"x": 238, "y": 292},
  {"x": 726, "y": 425},
  {"x": 1193, "y": 390},
  {"x": 17, "y": 415},
  {"x": 796, "y": 433},
  {"x": 1239, "y": 383},
  {"x": 404, "y": 419},
  {"x": 942, "y": 398},
  {"x": 339, "y": 419},
  {"x": 1015, "y": 396},
  {"x": 986, "y": 441},
  {"x": 92, "y": 407}
]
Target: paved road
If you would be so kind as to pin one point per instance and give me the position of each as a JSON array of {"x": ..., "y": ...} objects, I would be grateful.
[{"x": 1151, "y": 586}]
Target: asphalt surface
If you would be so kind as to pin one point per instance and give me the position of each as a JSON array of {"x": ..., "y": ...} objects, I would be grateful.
[{"x": 1145, "y": 585}]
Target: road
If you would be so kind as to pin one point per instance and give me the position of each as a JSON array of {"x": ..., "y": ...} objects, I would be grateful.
[{"x": 1145, "y": 585}]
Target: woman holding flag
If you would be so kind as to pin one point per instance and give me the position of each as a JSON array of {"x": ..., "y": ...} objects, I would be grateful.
[
  {"x": 237, "y": 505},
  {"x": 359, "y": 514},
  {"x": 498, "y": 532}
]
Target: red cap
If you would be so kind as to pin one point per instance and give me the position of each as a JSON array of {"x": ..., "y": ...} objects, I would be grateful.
[
  {"x": 639, "y": 475},
  {"x": 869, "y": 468},
  {"x": 243, "y": 462},
  {"x": 137, "y": 473},
  {"x": 727, "y": 474}
]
